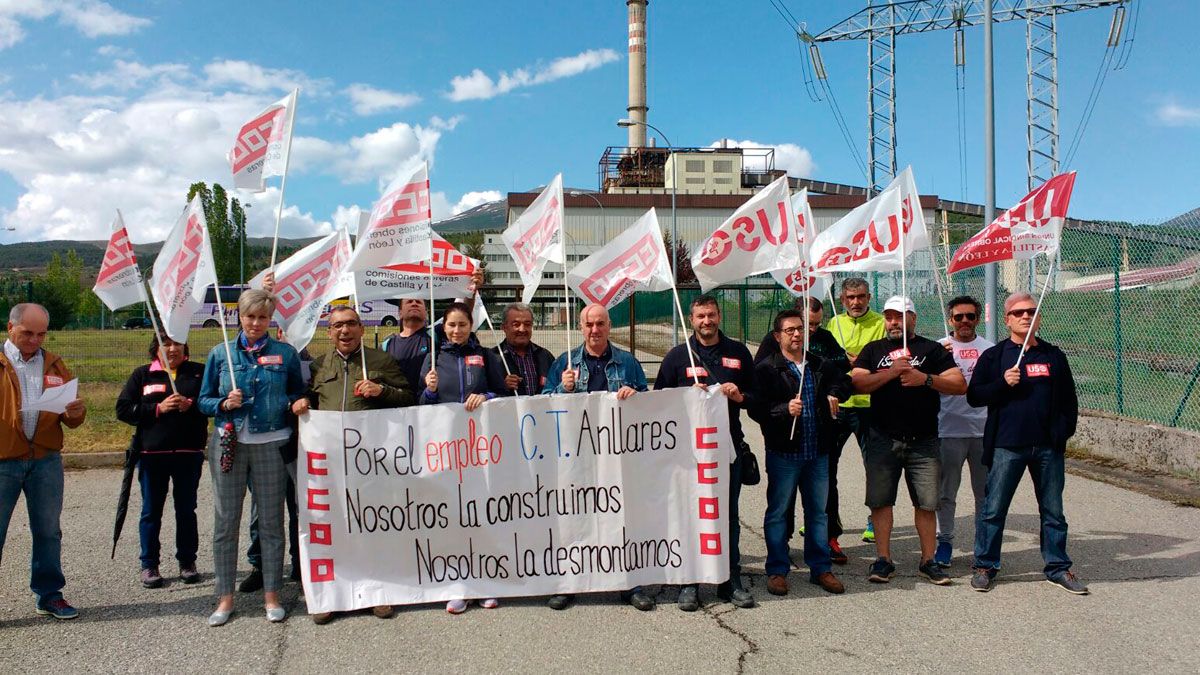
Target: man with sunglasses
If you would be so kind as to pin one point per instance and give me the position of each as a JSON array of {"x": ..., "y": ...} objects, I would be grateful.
[
  {"x": 960, "y": 427},
  {"x": 1032, "y": 410}
]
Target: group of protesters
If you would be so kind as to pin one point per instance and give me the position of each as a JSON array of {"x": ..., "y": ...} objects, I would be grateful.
[{"x": 920, "y": 409}]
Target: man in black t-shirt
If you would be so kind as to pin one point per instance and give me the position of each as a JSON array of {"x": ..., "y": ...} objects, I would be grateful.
[{"x": 905, "y": 382}]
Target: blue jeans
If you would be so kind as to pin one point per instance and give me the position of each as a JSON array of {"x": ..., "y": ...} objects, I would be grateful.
[
  {"x": 156, "y": 473},
  {"x": 786, "y": 474},
  {"x": 42, "y": 482},
  {"x": 1046, "y": 469}
]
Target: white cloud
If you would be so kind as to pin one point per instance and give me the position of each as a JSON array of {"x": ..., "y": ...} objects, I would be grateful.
[
  {"x": 253, "y": 77},
  {"x": 472, "y": 199},
  {"x": 368, "y": 100},
  {"x": 478, "y": 85},
  {"x": 89, "y": 17},
  {"x": 114, "y": 51},
  {"x": 387, "y": 153},
  {"x": 797, "y": 161},
  {"x": 131, "y": 74},
  {"x": 1174, "y": 114}
]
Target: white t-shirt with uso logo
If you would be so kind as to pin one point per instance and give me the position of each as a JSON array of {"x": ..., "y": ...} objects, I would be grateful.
[{"x": 957, "y": 419}]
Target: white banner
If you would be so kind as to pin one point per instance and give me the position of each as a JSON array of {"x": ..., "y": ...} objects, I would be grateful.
[
  {"x": 536, "y": 237},
  {"x": 261, "y": 146},
  {"x": 399, "y": 226},
  {"x": 119, "y": 283},
  {"x": 534, "y": 495},
  {"x": 306, "y": 282},
  {"x": 803, "y": 278},
  {"x": 757, "y": 238},
  {"x": 183, "y": 271},
  {"x": 635, "y": 260},
  {"x": 868, "y": 238}
]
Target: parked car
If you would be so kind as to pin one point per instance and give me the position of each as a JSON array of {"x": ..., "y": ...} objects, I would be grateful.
[{"x": 137, "y": 322}]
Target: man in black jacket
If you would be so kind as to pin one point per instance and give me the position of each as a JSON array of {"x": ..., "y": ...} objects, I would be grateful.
[
  {"x": 797, "y": 398},
  {"x": 527, "y": 361},
  {"x": 820, "y": 341},
  {"x": 725, "y": 363},
  {"x": 1032, "y": 411}
]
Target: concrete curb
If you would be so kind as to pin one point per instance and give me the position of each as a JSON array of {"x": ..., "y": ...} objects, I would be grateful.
[
  {"x": 93, "y": 460},
  {"x": 1138, "y": 443}
]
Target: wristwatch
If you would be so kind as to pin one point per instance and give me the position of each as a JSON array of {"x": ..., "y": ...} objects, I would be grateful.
[{"x": 928, "y": 380}]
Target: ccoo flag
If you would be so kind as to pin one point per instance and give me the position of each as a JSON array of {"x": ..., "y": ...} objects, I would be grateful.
[
  {"x": 804, "y": 278},
  {"x": 306, "y": 282},
  {"x": 536, "y": 237},
  {"x": 262, "y": 145},
  {"x": 1031, "y": 227},
  {"x": 183, "y": 271},
  {"x": 451, "y": 275},
  {"x": 757, "y": 238},
  {"x": 635, "y": 260},
  {"x": 399, "y": 227},
  {"x": 119, "y": 283}
]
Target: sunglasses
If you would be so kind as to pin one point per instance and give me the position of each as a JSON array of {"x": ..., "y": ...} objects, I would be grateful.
[
  {"x": 969, "y": 316},
  {"x": 1027, "y": 311}
]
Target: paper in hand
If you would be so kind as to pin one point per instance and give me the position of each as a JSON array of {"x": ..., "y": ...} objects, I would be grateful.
[{"x": 55, "y": 399}]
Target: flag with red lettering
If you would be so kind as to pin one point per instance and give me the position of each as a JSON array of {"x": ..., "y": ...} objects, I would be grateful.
[
  {"x": 306, "y": 282},
  {"x": 877, "y": 235},
  {"x": 262, "y": 145},
  {"x": 536, "y": 237},
  {"x": 757, "y": 238},
  {"x": 183, "y": 271},
  {"x": 804, "y": 278},
  {"x": 1031, "y": 227},
  {"x": 399, "y": 227},
  {"x": 119, "y": 283},
  {"x": 635, "y": 260},
  {"x": 452, "y": 272}
]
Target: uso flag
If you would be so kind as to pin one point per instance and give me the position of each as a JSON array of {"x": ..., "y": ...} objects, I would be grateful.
[
  {"x": 536, "y": 238},
  {"x": 877, "y": 235},
  {"x": 183, "y": 271},
  {"x": 804, "y": 279},
  {"x": 261, "y": 146},
  {"x": 306, "y": 282},
  {"x": 119, "y": 282},
  {"x": 1031, "y": 227},
  {"x": 399, "y": 228},
  {"x": 635, "y": 260},
  {"x": 756, "y": 238}
]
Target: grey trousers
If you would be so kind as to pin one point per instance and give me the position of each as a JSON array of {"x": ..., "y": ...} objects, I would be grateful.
[
  {"x": 956, "y": 451},
  {"x": 263, "y": 466}
]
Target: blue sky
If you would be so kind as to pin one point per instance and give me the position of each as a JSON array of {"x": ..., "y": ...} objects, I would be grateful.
[{"x": 122, "y": 104}]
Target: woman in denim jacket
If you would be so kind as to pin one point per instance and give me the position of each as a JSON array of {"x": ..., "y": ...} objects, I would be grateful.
[{"x": 256, "y": 410}]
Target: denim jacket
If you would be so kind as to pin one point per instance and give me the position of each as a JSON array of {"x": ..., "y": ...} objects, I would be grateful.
[
  {"x": 270, "y": 381},
  {"x": 621, "y": 370}
]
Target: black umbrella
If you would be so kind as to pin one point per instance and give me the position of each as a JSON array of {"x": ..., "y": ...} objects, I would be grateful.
[{"x": 131, "y": 459}]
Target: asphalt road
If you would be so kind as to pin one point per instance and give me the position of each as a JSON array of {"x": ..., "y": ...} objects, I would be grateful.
[{"x": 1140, "y": 556}]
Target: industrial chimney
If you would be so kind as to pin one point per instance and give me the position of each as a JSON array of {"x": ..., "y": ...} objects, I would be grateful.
[{"x": 637, "y": 72}]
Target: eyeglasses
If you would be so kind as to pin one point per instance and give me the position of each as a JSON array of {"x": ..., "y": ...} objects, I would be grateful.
[
  {"x": 969, "y": 316},
  {"x": 791, "y": 330},
  {"x": 352, "y": 323},
  {"x": 1025, "y": 311}
]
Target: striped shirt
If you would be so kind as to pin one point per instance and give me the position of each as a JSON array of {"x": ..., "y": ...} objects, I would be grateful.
[
  {"x": 526, "y": 368},
  {"x": 29, "y": 375},
  {"x": 808, "y": 418}
]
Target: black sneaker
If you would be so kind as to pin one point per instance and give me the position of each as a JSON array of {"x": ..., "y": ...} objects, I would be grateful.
[
  {"x": 1070, "y": 583},
  {"x": 252, "y": 582},
  {"x": 933, "y": 572},
  {"x": 735, "y": 595},
  {"x": 981, "y": 579},
  {"x": 560, "y": 601},
  {"x": 882, "y": 571},
  {"x": 689, "y": 599},
  {"x": 57, "y": 608}
]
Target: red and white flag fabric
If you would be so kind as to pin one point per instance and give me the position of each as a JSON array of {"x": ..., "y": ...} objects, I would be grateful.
[
  {"x": 869, "y": 238},
  {"x": 452, "y": 272},
  {"x": 262, "y": 145},
  {"x": 306, "y": 282},
  {"x": 1031, "y": 227},
  {"x": 400, "y": 225},
  {"x": 804, "y": 278},
  {"x": 635, "y": 260},
  {"x": 119, "y": 283},
  {"x": 536, "y": 237},
  {"x": 757, "y": 238},
  {"x": 183, "y": 271}
]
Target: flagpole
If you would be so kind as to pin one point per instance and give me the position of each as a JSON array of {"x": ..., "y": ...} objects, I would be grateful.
[
  {"x": 432, "y": 328},
  {"x": 287, "y": 160},
  {"x": 225, "y": 336},
  {"x": 833, "y": 308},
  {"x": 562, "y": 236},
  {"x": 804, "y": 355},
  {"x": 1036, "y": 312},
  {"x": 362, "y": 346},
  {"x": 686, "y": 342},
  {"x": 492, "y": 329},
  {"x": 937, "y": 278},
  {"x": 162, "y": 352},
  {"x": 904, "y": 285}
]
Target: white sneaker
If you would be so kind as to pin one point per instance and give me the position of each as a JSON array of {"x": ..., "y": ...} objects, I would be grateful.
[
  {"x": 456, "y": 606},
  {"x": 489, "y": 603}
]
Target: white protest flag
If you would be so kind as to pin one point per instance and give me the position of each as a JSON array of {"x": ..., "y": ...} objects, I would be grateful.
[
  {"x": 261, "y": 147},
  {"x": 1031, "y": 227},
  {"x": 868, "y": 238},
  {"x": 479, "y": 315},
  {"x": 536, "y": 237},
  {"x": 804, "y": 278},
  {"x": 756, "y": 238},
  {"x": 306, "y": 282},
  {"x": 183, "y": 271},
  {"x": 398, "y": 228},
  {"x": 119, "y": 283},
  {"x": 635, "y": 260}
]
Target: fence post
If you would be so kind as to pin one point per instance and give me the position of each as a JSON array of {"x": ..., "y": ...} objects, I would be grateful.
[
  {"x": 1116, "y": 260},
  {"x": 744, "y": 311},
  {"x": 1187, "y": 393}
]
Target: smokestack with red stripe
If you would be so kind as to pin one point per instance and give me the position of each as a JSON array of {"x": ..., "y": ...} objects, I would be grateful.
[{"x": 637, "y": 72}]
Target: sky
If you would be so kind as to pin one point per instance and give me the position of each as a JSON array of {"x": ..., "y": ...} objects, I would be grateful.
[{"x": 107, "y": 105}]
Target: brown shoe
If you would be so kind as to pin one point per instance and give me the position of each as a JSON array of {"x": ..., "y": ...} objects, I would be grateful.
[
  {"x": 830, "y": 583},
  {"x": 322, "y": 618},
  {"x": 777, "y": 584},
  {"x": 383, "y": 611}
]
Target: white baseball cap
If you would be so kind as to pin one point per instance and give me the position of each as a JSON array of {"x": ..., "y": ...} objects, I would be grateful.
[{"x": 899, "y": 303}]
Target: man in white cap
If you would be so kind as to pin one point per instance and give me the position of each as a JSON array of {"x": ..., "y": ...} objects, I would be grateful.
[{"x": 905, "y": 374}]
